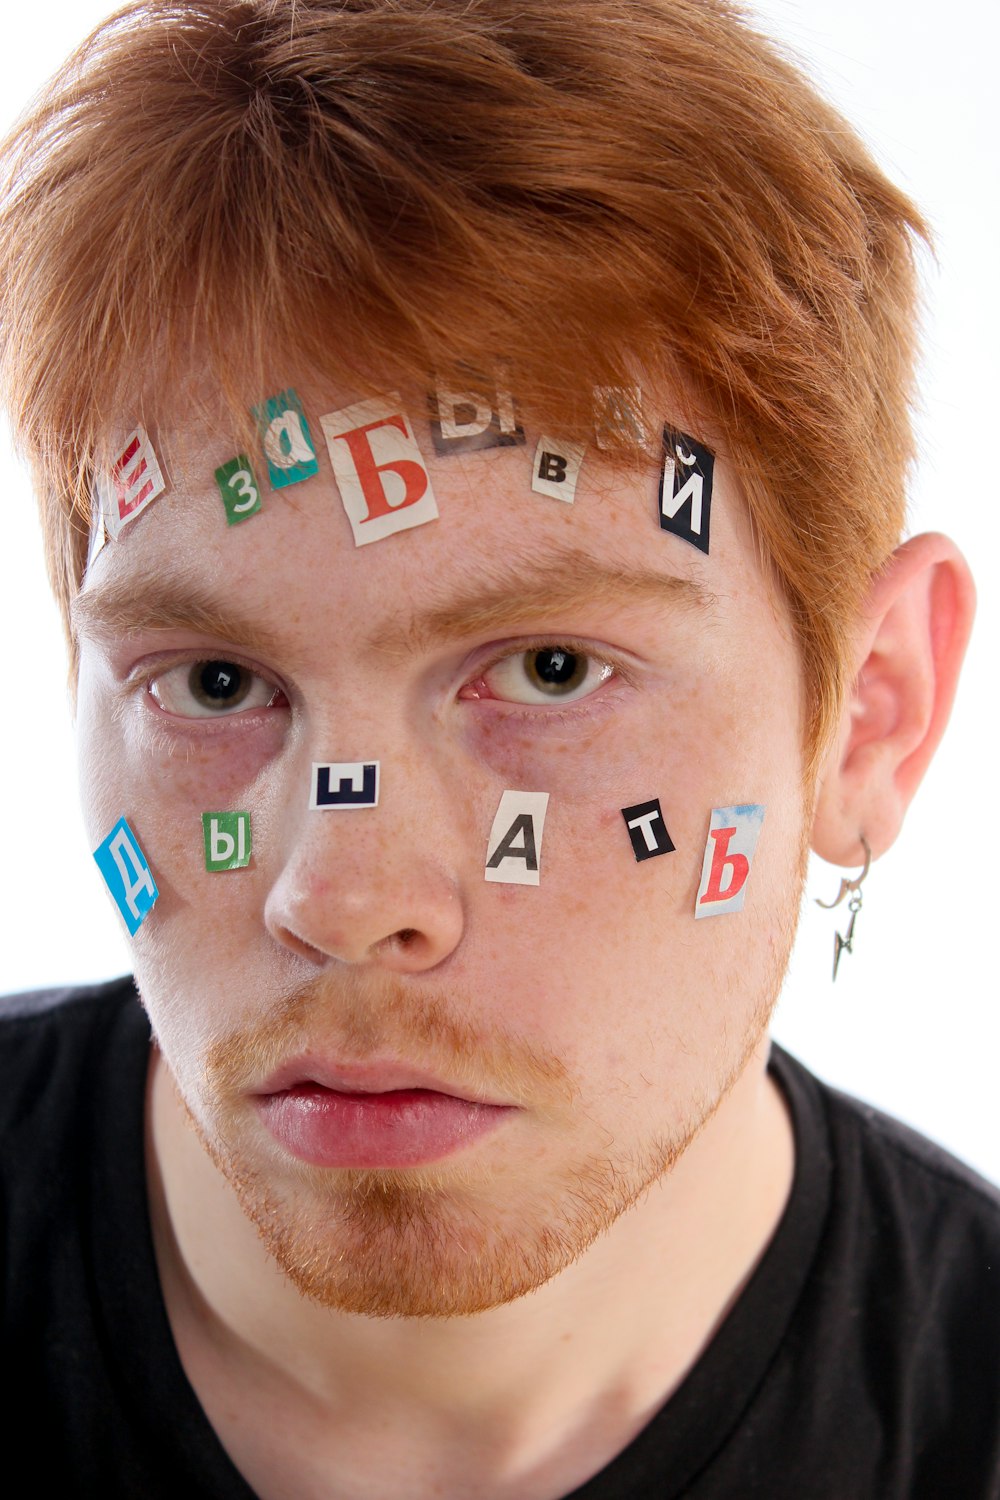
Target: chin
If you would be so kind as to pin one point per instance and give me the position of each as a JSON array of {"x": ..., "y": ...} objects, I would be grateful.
[{"x": 432, "y": 1243}]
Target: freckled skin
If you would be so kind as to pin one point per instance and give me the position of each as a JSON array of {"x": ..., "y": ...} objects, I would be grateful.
[{"x": 603, "y": 963}]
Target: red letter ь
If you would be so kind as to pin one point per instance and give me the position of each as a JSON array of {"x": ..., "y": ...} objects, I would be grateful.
[{"x": 729, "y": 850}]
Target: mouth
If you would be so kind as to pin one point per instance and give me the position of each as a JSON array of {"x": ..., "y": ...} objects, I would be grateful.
[{"x": 372, "y": 1115}]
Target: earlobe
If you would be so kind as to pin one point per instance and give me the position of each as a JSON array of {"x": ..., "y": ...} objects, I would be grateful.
[{"x": 911, "y": 644}]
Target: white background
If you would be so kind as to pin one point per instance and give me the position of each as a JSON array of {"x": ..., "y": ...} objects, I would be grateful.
[{"x": 913, "y": 1023}]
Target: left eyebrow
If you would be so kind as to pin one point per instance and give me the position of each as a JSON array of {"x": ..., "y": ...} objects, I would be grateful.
[
  {"x": 518, "y": 596},
  {"x": 155, "y": 603}
]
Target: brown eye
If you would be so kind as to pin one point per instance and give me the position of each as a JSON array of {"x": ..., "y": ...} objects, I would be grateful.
[
  {"x": 555, "y": 670},
  {"x": 553, "y": 674}
]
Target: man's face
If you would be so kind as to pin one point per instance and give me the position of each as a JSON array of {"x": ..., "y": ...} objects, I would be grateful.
[{"x": 363, "y": 950}]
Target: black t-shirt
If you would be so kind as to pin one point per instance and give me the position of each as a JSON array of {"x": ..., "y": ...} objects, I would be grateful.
[{"x": 861, "y": 1362}]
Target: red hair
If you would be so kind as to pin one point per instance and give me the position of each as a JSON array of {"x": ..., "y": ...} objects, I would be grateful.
[{"x": 592, "y": 187}]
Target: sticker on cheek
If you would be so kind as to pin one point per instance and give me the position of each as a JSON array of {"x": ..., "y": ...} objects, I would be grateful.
[
  {"x": 647, "y": 829},
  {"x": 127, "y": 875},
  {"x": 515, "y": 846},
  {"x": 133, "y": 482},
  {"x": 732, "y": 838},
  {"x": 557, "y": 468},
  {"x": 617, "y": 416},
  {"x": 227, "y": 840},
  {"x": 380, "y": 471},
  {"x": 344, "y": 783},
  {"x": 686, "y": 488},
  {"x": 285, "y": 439},
  {"x": 239, "y": 489},
  {"x": 467, "y": 420}
]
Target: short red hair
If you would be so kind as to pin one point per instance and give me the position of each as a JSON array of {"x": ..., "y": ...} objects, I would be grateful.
[{"x": 592, "y": 187}]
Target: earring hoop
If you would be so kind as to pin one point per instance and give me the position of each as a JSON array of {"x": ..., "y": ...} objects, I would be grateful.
[{"x": 848, "y": 886}]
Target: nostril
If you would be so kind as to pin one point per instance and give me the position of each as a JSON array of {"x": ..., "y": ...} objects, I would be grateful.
[{"x": 406, "y": 935}]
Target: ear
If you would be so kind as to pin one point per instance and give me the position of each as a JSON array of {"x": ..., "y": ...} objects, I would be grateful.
[{"x": 912, "y": 639}]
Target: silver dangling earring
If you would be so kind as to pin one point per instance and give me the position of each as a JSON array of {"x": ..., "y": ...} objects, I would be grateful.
[{"x": 852, "y": 887}]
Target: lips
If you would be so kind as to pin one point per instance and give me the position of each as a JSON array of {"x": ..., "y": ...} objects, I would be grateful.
[
  {"x": 381, "y": 1077},
  {"x": 377, "y": 1115}
]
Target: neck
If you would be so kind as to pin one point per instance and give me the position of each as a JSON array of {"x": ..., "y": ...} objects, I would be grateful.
[{"x": 606, "y": 1341}]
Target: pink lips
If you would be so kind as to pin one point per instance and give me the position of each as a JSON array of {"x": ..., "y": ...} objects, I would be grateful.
[{"x": 371, "y": 1116}]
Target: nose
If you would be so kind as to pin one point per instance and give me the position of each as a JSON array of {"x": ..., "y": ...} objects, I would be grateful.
[{"x": 373, "y": 886}]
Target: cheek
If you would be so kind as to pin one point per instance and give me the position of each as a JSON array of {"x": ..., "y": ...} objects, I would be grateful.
[
  {"x": 606, "y": 964},
  {"x": 132, "y": 757},
  {"x": 98, "y": 761},
  {"x": 593, "y": 758},
  {"x": 206, "y": 926},
  {"x": 606, "y": 956}
]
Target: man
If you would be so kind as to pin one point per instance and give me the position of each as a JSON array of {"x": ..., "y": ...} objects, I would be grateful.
[{"x": 471, "y": 441}]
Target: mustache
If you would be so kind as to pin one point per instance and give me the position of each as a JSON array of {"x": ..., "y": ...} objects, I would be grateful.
[{"x": 363, "y": 1015}]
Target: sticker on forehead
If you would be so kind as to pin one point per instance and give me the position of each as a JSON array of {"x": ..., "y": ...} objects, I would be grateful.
[
  {"x": 647, "y": 829},
  {"x": 686, "y": 488},
  {"x": 239, "y": 489},
  {"x": 344, "y": 783},
  {"x": 477, "y": 416},
  {"x": 557, "y": 468},
  {"x": 98, "y": 532},
  {"x": 732, "y": 838},
  {"x": 227, "y": 840},
  {"x": 617, "y": 416},
  {"x": 127, "y": 875},
  {"x": 285, "y": 439},
  {"x": 134, "y": 481},
  {"x": 515, "y": 846},
  {"x": 383, "y": 481}
]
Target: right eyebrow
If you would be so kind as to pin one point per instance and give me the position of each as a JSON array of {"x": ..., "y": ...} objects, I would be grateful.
[{"x": 155, "y": 603}]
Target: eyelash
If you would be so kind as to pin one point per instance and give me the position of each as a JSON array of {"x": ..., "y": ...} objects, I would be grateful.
[
  {"x": 143, "y": 680},
  {"x": 620, "y": 671}
]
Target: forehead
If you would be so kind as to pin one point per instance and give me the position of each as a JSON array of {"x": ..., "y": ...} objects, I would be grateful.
[{"x": 296, "y": 556}]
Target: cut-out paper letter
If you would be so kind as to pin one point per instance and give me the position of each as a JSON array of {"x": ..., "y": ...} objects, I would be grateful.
[
  {"x": 515, "y": 846},
  {"x": 133, "y": 482},
  {"x": 286, "y": 440},
  {"x": 227, "y": 840},
  {"x": 239, "y": 489},
  {"x": 345, "y": 783},
  {"x": 686, "y": 488},
  {"x": 127, "y": 875},
  {"x": 557, "y": 468},
  {"x": 474, "y": 417},
  {"x": 732, "y": 838},
  {"x": 617, "y": 416},
  {"x": 647, "y": 829},
  {"x": 383, "y": 481},
  {"x": 98, "y": 533}
]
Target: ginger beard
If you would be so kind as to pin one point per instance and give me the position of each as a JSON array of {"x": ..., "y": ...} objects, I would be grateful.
[{"x": 446, "y": 1239}]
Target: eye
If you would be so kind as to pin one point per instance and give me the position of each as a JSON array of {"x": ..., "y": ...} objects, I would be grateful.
[
  {"x": 212, "y": 689},
  {"x": 543, "y": 674}
]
